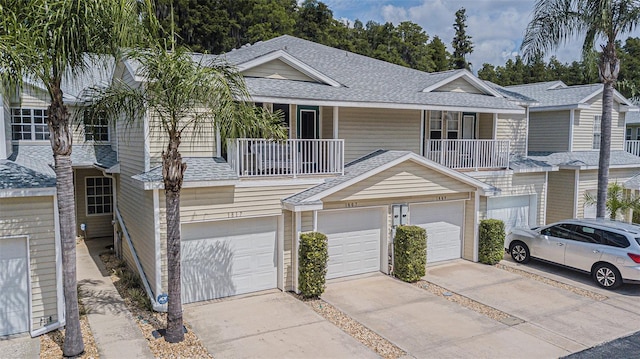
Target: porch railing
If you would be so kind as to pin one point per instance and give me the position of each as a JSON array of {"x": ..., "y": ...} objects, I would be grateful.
[
  {"x": 632, "y": 146},
  {"x": 251, "y": 157},
  {"x": 469, "y": 154}
]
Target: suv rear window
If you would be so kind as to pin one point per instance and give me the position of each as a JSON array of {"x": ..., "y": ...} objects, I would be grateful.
[{"x": 615, "y": 239}]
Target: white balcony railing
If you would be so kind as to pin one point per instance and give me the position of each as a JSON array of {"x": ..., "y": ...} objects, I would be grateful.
[
  {"x": 632, "y": 146},
  {"x": 251, "y": 157},
  {"x": 469, "y": 154}
]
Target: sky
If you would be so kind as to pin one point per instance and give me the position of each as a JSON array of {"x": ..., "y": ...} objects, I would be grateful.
[{"x": 496, "y": 26}]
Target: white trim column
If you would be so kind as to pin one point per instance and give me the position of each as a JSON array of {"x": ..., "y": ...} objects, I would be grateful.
[
  {"x": 572, "y": 119},
  {"x": 296, "y": 246},
  {"x": 157, "y": 244},
  {"x": 336, "y": 112}
]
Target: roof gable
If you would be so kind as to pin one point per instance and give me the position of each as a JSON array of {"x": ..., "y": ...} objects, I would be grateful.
[
  {"x": 277, "y": 57},
  {"x": 404, "y": 179},
  {"x": 462, "y": 81}
]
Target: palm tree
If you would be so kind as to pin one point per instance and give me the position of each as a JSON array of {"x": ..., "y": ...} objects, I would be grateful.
[
  {"x": 617, "y": 200},
  {"x": 45, "y": 41},
  {"x": 557, "y": 21},
  {"x": 177, "y": 83}
]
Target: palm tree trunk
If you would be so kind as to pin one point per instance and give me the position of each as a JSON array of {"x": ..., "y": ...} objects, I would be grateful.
[
  {"x": 173, "y": 173},
  {"x": 61, "y": 143},
  {"x": 609, "y": 67}
]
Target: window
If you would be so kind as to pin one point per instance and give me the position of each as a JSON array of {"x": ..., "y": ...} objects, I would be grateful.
[
  {"x": 559, "y": 231},
  {"x": 29, "y": 124},
  {"x": 435, "y": 125},
  {"x": 597, "y": 122},
  {"x": 587, "y": 235},
  {"x": 95, "y": 128},
  {"x": 99, "y": 195},
  {"x": 453, "y": 125},
  {"x": 628, "y": 136},
  {"x": 615, "y": 240}
]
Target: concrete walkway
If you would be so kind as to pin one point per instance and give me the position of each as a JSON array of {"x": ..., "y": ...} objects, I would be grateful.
[
  {"x": 428, "y": 326},
  {"x": 19, "y": 346},
  {"x": 115, "y": 331},
  {"x": 269, "y": 325}
]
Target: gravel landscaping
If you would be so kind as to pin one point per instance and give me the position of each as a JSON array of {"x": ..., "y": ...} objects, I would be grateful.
[
  {"x": 149, "y": 320},
  {"x": 51, "y": 343},
  {"x": 468, "y": 303},
  {"x": 554, "y": 283},
  {"x": 364, "y": 335}
]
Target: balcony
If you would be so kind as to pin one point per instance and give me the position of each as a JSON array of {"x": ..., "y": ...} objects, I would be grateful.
[
  {"x": 632, "y": 146},
  {"x": 469, "y": 154},
  {"x": 251, "y": 157}
]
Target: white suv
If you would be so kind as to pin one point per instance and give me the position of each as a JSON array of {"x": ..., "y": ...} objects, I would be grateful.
[{"x": 609, "y": 250}]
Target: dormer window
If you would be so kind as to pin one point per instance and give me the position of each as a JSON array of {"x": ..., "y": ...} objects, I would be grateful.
[{"x": 29, "y": 124}]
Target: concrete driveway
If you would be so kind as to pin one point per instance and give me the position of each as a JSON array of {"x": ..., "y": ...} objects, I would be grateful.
[
  {"x": 555, "y": 315},
  {"x": 428, "y": 326},
  {"x": 269, "y": 325}
]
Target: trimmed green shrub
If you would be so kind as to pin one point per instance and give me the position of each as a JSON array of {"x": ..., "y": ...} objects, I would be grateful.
[
  {"x": 312, "y": 267},
  {"x": 410, "y": 253},
  {"x": 491, "y": 246}
]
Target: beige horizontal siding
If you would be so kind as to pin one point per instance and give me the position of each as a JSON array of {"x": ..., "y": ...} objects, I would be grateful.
[
  {"x": 549, "y": 131},
  {"x": 31, "y": 97},
  {"x": 402, "y": 180},
  {"x": 588, "y": 181},
  {"x": 277, "y": 69},
  {"x": 289, "y": 238},
  {"x": 367, "y": 130},
  {"x": 513, "y": 128},
  {"x": 560, "y": 200},
  {"x": 34, "y": 217},
  {"x": 583, "y": 127},
  {"x": 197, "y": 141},
  {"x": 98, "y": 225},
  {"x": 458, "y": 85},
  {"x": 326, "y": 127}
]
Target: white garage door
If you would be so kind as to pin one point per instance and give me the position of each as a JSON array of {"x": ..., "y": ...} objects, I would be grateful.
[
  {"x": 514, "y": 211},
  {"x": 443, "y": 222},
  {"x": 226, "y": 258},
  {"x": 14, "y": 281},
  {"x": 354, "y": 240}
]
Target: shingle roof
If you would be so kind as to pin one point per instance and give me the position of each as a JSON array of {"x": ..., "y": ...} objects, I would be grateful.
[
  {"x": 561, "y": 95},
  {"x": 40, "y": 157},
  {"x": 524, "y": 164},
  {"x": 362, "y": 79},
  {"x": 633, "y": 182},
  {"x": 15, "y": 176},
  {"x": 584, "y": 158},
  {"x": 510, "y": 94},
  {"x": 632, "y": 117},
  {"x": 198, "y": 170}
]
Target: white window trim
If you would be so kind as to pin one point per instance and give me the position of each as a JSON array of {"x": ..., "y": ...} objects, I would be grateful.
[
  {"x": 32, "y": 125},
  {"x": 86, "y": 198}
]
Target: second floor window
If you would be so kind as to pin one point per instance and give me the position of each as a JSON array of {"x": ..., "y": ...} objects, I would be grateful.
[
  {"x": 597, "y": 122},
  {"x": 95, "y": 129},
  {"x": 628, "y": 136},
  {"x": 29, "y": 124}
]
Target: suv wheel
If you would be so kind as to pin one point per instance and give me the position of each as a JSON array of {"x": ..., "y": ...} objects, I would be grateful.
[
  {"x": 519, "y": 252},
  {"x": 606, "y": 276}
]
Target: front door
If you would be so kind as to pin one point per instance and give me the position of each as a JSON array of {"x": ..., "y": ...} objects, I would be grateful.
[
  {"x": 308, "y": 126},
  {"x": 468, "y": 126}
]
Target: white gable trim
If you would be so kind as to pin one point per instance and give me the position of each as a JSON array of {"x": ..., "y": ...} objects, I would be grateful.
[
  {"x": 616, "y": 95},
  {"x": 466, "y": 75},
  {"x": 484, "y": 188},
  {"x": 558, "y": 84},
  {"x": 291, "y": 61}
]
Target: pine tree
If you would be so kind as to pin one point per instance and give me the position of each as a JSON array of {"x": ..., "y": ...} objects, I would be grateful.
[{"x": 462, "y": 45}]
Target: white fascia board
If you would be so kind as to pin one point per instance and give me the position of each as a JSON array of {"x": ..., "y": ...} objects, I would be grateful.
[
  {"x": 291, "y": 61},
  {"x": 595, "y": 167},
  {"x": 302, "y": 207},
  {"x": 236, "y": 183},
  {"x": 576, "y": 106},
  {"x": 616, "y": 95},
  {"x": 27, "y": 192},
  {"x": 248, "y": 183},
  {"x": 536, "y": 169},
  {"x": 148, "y": 186},
  {"x": 400, "y": 106},
  {"x": 627, "y": 108},
  {"x": 474, "y": 81}
]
